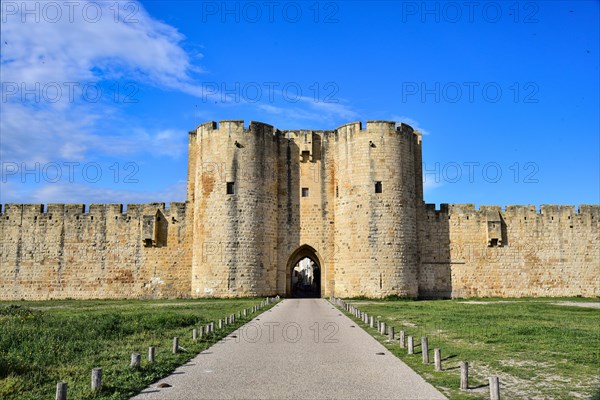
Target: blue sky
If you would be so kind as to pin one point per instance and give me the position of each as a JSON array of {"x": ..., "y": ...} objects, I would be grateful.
[{"x": 97, "y": 99}]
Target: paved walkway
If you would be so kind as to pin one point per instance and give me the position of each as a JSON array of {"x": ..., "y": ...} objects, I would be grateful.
[{"x": 300, "y": 349}]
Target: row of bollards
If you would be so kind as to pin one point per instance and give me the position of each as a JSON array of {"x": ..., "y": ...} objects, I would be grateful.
[
  {"x": 408, "y": 343},
  {"x": 136, "y": 358}
]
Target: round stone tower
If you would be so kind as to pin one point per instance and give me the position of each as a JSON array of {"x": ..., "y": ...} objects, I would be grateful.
[
  {"x": 233, "y": 189},
  {"x": 379, "y": 188}
]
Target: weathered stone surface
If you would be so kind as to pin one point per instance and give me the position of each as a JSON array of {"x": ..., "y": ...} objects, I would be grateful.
[{"x": 299, "y": 194}]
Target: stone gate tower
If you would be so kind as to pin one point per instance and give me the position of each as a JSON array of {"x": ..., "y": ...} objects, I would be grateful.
[
  {"x": 259, "y": 200},
  {"x": 262, "y": 199}
]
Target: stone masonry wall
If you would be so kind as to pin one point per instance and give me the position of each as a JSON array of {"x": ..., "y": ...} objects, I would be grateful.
[
  {"x": 517, "y": 252},
  {"x": 66, "y": 252},
  {"x": 296, "y": 194}
]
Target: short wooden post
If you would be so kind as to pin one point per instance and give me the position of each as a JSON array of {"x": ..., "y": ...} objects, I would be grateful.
[
  {"x": 402, "y": 339},
  {"x": 61, "y": 391},
  {"x": 245, "y": 312},
  {"x": 151, "y": 352},
  {"x": 411, "y": 345},
  {"x": 220, "y": 323},
  {"x": 239, "y": 314},
  {"x": 437, "y": 359},
  {"x": 175, "y": 345},
  {"x": 425, "y": 349},
  {"x": 371, "y": 321},
  {"x": 96, "y": 379},
  {"x": 383, "y": 328},
  {"x": 392, "y": 333},
  {"x": 136, "y": 360},
  {"x": 464, "y": 375},
  {"x": 494, "y": 388},
  {"x": 194, "y": 334}
]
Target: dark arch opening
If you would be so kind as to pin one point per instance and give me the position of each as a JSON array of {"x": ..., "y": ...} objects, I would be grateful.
[
  {"x": 304, "y": 274},
  {"x": 306, "y": 279}
]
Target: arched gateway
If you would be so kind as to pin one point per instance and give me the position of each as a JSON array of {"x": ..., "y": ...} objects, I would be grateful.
[
  {"x": 295, "y": 285},
  {"x": 264, "y": 199}
]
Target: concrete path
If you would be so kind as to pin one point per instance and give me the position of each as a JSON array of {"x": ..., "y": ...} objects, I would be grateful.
[{"x": 300, "y": 349}]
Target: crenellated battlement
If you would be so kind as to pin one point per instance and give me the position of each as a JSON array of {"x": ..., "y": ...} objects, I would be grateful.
[
  {"x": 259, "y": 199},
  {"x": 234, "y": 126},
  {"x": 238, "y": 127},
  {"x": 175, "y": 209},
  {"x": 524, "y": 212}
]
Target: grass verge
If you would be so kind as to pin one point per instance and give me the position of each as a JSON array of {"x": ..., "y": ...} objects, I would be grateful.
[
  {"x": 45, "y": 342},
  {"x": 538, "y": 348}
]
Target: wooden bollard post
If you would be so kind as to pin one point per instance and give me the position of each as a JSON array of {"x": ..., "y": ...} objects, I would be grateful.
[
  {"x": 425, "y": 349},
  {"x": 437, "y": 359},
  {"x": 175, "y": 345},
  {"x": 383, "y": 328},
  {"x": 402, "y": 339},
  {"x": 136, "y": 360},
  {"x": 239, "y": 314},
  {"x": 371, "y": 321},
  {"x": 391, "y": 333},
  {"x": 411, "y": 345},
  {"x": 96, "y": 379},
  {"x": 464, "y": 375},
  {"x": 245, "y": 312},
  {"x": 494, "y": 388},
  {"x": 194, "y": 334},
  {"x": 61, "y": 391},
  {"x": 220, "y": 323},
  {"x": 201, "y": 332},
  {"x": 151, "y": 353}
]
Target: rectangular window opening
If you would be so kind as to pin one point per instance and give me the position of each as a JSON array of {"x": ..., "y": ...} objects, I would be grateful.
[
  {"x": 378, "y": 187},
  {"x": 230, "y": 187},
  {"x": 305, "y": 156},
  {"x": 304, "y": 192},
  {"x": 337, "y": 191}
]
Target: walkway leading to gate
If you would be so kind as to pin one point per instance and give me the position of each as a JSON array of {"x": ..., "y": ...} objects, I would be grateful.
[{"x": 300, "y": 349}]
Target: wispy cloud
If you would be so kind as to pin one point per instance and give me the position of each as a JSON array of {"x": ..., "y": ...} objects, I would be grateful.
[
  {"x": 412, "y": 122},
  {"x": 52, "y": 71},
  {"x": 307, "y": 110},
  {"x": 80, "y": 193}
]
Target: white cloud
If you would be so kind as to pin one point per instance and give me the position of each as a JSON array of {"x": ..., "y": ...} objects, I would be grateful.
[
  {"x": 408, "y": 120},
  {"x": 429, "y": 185},
  {"x": 79, "y": 193},
  {"x": 46, "y": 113},
  {"x": 75, "y": 51},
  {"x": 308, "y": 110}
]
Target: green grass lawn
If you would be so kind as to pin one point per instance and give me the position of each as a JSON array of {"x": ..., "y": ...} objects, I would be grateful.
[
  {"x": 538, "y": 349},
  {"x": 42, "y": 343}
]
